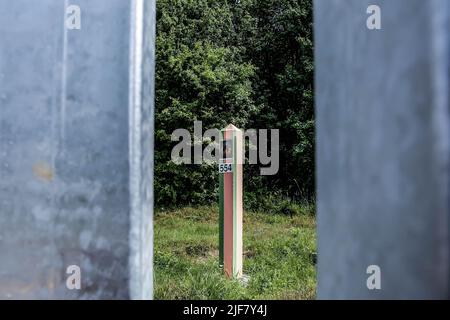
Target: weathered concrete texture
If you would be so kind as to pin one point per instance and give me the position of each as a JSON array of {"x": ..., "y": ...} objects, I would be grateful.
[
  {"x": 76, "y": 141},
  {"x": 383, "y": 148}
]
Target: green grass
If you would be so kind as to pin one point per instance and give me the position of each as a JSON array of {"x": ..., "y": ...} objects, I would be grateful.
[{"x": 279, "y": 256}]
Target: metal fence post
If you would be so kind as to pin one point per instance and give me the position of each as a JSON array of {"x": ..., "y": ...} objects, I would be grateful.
[
  {"x": 76, "y": 148},
  {"x": 383, "y": 148}
]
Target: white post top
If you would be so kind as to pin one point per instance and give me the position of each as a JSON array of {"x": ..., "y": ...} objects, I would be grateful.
[{"x": 231, "y": 127}]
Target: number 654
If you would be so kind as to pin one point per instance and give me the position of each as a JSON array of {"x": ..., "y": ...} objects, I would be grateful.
[{"x": 225, "y": 167}]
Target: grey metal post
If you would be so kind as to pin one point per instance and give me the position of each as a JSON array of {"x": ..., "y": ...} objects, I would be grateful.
[
  {"x": 383, "y": 153},
  {"x": 76, "y": 149}
]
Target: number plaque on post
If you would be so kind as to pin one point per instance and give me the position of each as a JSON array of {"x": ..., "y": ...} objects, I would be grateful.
[{"x": 230, "y": 201}]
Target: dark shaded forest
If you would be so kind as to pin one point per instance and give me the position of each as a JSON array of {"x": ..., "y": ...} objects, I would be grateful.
[{"x": 246, "y": 62}]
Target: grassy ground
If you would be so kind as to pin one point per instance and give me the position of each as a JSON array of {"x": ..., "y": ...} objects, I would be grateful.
[{"x": 279, "y": 256}]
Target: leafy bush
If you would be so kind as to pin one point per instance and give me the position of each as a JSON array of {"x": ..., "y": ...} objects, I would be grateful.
[{"x": 244, "y": 62}]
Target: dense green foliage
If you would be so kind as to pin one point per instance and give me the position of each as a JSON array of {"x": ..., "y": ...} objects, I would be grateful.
[
  {"x": 279, "y": 256},
  {"x": 246, "y": 62}
]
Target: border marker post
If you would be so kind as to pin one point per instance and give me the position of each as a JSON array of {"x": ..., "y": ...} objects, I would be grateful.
[{"x": 230, "y": 201}]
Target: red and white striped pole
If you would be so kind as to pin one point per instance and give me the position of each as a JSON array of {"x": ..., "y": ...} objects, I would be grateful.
[{"x": 230, "y": 201}]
